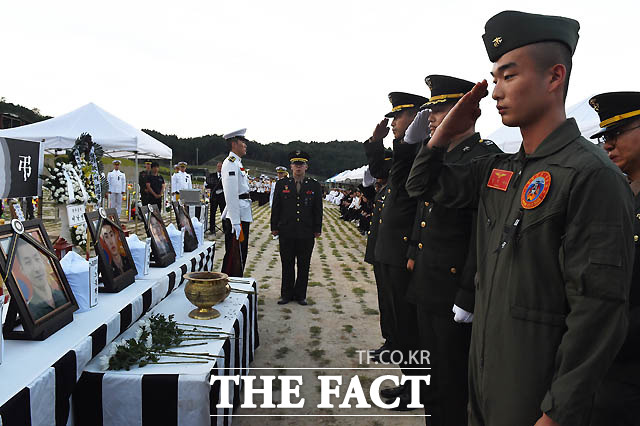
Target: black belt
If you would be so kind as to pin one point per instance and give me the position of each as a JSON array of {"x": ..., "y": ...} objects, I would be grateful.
[{"x": 245, "y": 196}]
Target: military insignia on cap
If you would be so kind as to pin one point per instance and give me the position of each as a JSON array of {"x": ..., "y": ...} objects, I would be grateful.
[
  {"x": 535, "y": 190},
  {"x": 297, "y": 152},
  {"x": 594, "y": 105},
  {"x": 428, "y": 81},
  {"x": 497, "y": 41}
]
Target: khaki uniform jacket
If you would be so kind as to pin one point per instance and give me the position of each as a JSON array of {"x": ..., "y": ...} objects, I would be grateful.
[
  {"x": 297, "y": 215},
  {"x": 443, "y": 243},
  {"x": 553, "y": 281}
]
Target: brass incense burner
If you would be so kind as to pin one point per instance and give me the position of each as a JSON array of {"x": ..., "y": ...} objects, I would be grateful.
[{"x": 206, "y": 289}]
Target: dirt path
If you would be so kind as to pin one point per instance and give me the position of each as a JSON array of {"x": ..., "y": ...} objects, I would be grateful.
[{"x": 341, "y": 319}]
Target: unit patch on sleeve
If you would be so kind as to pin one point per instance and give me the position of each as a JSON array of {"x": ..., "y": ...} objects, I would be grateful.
[{"x": 499, "y": 179}]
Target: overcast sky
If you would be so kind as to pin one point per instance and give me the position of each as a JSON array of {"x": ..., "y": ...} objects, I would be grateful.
[{"x": 286, "y": 70}]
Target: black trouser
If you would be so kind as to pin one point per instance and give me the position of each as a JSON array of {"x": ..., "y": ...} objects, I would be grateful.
[
  {"x": 617, "y": 400},
  {"x": 403, "y": 314},
  {"x": 228, "y": 239},
  {"x": 448, "y": 344},
  {"x": 292, "y": 287},
  {"x": 156, "y": 202},
  {"x": 215, "y": 201},
  {"x": 384, "y": 306}
]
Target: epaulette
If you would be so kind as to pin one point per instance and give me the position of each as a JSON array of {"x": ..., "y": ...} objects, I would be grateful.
[
  {"x": 486, "y": 142},
  {"x": 232, "y": 159}
]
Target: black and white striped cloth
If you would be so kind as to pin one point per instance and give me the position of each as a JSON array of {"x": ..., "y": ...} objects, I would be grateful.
[
  {"x": 45, "y": 398},
  {"x": 173, "y": 394}
]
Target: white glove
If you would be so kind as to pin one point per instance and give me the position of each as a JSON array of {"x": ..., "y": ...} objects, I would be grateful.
[
  {"x": 236, "y": 229},
  {"x": 461, "y": 315},
  {"x": 367, "y": 179},
  {"x": 418, "y": 129}
]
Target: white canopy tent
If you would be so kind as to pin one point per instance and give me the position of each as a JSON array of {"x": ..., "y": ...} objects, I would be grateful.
[
  {"x": 509, "y": 138},
  {"x": 349, "y": 175},
  {"x": 117, "y": 138}
]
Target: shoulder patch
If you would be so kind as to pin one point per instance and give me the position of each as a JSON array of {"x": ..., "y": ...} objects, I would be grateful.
[
  {"x": 232, "y": 159},
  {"x": 232, "y": 173}
]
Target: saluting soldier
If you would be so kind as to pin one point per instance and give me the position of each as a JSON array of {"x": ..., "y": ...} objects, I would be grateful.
[
  {"x": 237, "y": 215},
  {"x": 394, "y": 226},
  {"x": 617, "y": 401},
  {"x": 443, "y": 260},
  {"x": 384, "y": 304},
  {"x": 117, "y": 186},
  {"x": 296, "y": 218},
  {"x": 554, "y": 235},
  {"x": 145, "y": 197}
]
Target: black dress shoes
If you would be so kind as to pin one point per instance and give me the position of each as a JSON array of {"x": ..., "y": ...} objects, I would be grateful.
[
  {"x": 302, "y": 302},
  {"x": 393, "y": 392},
  {"x": 283, "y": 301}
]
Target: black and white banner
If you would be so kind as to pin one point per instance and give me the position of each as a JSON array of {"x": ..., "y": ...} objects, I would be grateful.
[{"x": 20, "y": 167}]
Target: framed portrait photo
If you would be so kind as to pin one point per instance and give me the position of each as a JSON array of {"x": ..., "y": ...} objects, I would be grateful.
[
  {"x": 162, "y": 252},
  {"x": 115, "y": 263},
  {"x": 184, "y": 221},
  {"x": 41, "y": 299}
]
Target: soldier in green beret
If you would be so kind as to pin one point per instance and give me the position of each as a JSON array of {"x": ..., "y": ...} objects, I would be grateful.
[
  {"x": 617, "y": 401},
  {"x": 554, "y": 244}
]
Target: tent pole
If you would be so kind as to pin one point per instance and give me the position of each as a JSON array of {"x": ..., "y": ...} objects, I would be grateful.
[{"x": 135, "y": 198}]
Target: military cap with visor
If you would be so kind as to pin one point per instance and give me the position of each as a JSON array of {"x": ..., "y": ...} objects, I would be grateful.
[
  {"x": 238, "y": 134},
  {"x": 510, "y": 30},
  {"x": 281, "y": 169},
  {"x": 401, "y": 101},
  {"x": 116, "y": 162},
  {"x": 615, "y": 109},
  {"x": 445, "y": 89},
  {"x": 298, "y": 157}
]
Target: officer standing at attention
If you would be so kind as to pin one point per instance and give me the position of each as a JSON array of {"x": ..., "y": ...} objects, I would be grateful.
[
  {"x": 142, "y": 184},
  {"x": 216, "y": 196},
  {"x": 237, "y": 213},
  {"x": 296, "y": 218},
  {"x": 617, "y": 401},
  {"x": 394, "y": 226},
  {"x": 443, "y": 261},
  {"x": 184, "y": 178},
  {"x": 281, "y": 171},
  {"x": 117, "y": 186},
  {"x": 554, "y": 235},
  {"x": 174, "y": 182}
]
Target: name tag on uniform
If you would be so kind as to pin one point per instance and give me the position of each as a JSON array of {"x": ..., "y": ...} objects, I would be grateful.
[
  {"x": 232, "y": 173},
  {"x": 499, "y": 179}
]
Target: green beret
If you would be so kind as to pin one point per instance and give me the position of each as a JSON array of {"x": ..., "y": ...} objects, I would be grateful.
[{"x": 510, "y": 30}]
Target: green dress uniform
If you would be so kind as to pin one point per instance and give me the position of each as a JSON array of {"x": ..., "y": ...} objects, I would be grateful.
[
  {"x": 554, "y": 257},
  {"x": 445, "y": 265},
  {"x": 297, "y": 216},
  {"x": 384, "y": 306},
  {"x": 617, "y": 401}
]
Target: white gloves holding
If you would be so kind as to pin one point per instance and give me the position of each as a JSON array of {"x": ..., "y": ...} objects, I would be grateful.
[
  {"x": 418, "y": 130},
  {"x": 460, "y": 315},
  {"x": 237, "y": 229}
]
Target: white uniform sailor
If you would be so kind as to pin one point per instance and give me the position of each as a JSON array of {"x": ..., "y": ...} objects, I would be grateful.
[
  {"x": 282, "y": 172},
  {"x": 174, "y": 182},
  {"x": 117, "y": 186},
  {"x": 182, "y": 179},
  {"x": 235, "y": 181}
]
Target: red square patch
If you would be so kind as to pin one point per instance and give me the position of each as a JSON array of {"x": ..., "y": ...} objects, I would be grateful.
[{"x": 499, "y": 179}]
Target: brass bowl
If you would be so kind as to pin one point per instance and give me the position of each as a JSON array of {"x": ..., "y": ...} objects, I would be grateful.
[{"x": 206, "y": 289}]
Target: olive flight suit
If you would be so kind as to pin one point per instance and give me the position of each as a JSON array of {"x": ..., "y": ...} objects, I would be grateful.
[
  {"x": 445, "y": 265},
  {"x": 555, "y": 256}
]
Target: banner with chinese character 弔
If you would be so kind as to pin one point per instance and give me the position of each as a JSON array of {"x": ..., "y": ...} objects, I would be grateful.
[{"x": 20, "y": 167}]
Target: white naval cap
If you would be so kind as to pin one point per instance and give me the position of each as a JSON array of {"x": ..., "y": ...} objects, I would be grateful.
[
  {"x": 116, "y": 161},
  {"x": 237, "y": 133}
]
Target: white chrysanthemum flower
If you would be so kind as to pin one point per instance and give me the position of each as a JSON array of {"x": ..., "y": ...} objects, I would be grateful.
[
  {"x": 138, "y": 334},
  {"x": 149, "y": 341},
  {"x": 104, "y": 362}
]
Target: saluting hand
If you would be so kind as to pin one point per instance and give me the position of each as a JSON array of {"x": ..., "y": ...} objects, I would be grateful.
[
  {"x": 381, "y": 131},
  {"x": 462, "y": 116}
]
